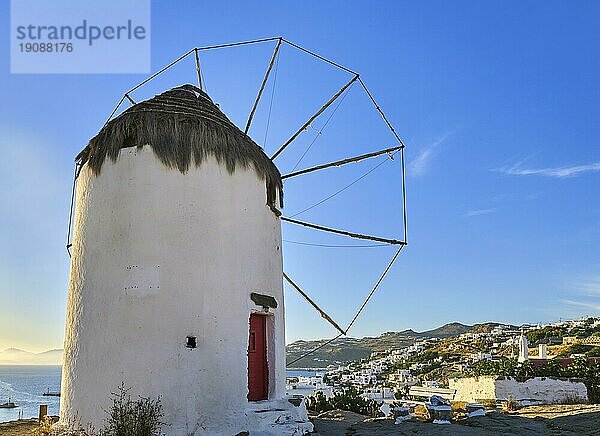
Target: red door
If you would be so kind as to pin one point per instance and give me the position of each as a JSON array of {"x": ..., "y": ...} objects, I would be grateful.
[{"x": 258, "y": 372}]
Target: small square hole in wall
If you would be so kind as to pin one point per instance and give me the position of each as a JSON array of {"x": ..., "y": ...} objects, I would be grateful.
[{"x": 190, "y": 342}]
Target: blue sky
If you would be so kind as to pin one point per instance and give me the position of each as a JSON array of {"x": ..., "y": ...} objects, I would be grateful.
[{"x": 497, "y": 103}]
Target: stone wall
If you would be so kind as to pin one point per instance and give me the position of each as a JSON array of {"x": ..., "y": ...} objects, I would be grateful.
[{"x": 536, "y": 390}]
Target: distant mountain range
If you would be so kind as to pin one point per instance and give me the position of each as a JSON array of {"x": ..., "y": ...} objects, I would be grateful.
[
  {"x": 348, "y": 349},
  {"x": 14, "y": 356},
  {"x": 342, "y": 350}
]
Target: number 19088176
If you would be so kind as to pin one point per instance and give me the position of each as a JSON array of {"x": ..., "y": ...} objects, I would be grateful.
[{"x": 46, "y": 47}]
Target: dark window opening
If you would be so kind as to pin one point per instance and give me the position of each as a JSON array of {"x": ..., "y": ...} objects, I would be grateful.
[{"x": 191, "y": 342}]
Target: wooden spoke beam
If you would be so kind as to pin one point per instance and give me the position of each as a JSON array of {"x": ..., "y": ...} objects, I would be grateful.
[
  {"x": 198, "y": 69},
  {"x": 313, "y": 304},
  {"x": 343, "y": 232},
  {"x": 311, "y": 119},
  {"x": 262, "y": 86},
  {"x": 342, "y": 162}
]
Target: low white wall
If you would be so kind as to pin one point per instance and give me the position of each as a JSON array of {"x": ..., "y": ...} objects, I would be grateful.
[
  {"x": 540, "y": 390},
  {"x": 473, "y": 389},
  {"x": 544, "y": 390}
]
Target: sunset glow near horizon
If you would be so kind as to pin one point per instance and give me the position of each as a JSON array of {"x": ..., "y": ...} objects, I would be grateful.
[{"x": 499, "y": 116}]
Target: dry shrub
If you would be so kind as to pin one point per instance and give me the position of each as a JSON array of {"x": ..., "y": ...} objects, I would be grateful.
[
  {"x": 422, "y": 413},
  {"x": 127, "y": 417},
  {"x": 45, "y": 427},
  {"x": 489, "y": 404},
  {"x": 459, "y": 406},
  {"x": 509, "y": 405}
]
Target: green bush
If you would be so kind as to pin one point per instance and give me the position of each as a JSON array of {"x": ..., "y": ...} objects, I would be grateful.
[
  {"x": 594, "y": 352},
  {"x": 348, "y": 399},
  {"x": 544, "y": 333},
  {"x": 318, "y": 403},
  {"x": 127, "y": 417},
  {"x": 576, "y": 349}
]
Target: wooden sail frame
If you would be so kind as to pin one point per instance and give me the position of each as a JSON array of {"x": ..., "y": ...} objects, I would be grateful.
[{"x": 391, "y": 151}]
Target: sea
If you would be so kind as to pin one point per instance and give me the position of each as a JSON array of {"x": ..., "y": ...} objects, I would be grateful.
[{"x": 25, "y": 384}]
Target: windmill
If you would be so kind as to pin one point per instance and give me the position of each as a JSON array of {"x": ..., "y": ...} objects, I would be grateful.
[{"x": 169, "y": 228}]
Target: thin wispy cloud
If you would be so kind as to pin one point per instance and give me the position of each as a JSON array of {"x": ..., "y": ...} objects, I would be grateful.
[
  {"x": 478, "y": 212},
  {"x": 585, "y": 304},
  {"x": 587, "y": 294},
  {"x": 558, "y": 172},
  {"x": 590, "y": 287},
  {"x": 516, "y": 196},
  {"x": 420, "y": 165}
]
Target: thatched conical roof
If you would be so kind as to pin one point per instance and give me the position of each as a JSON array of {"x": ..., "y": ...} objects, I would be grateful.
[{"x": 182, "y": 126}]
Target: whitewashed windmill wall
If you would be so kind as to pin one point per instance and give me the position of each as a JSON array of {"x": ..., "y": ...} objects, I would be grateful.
[{"x": 160, "y": 255}]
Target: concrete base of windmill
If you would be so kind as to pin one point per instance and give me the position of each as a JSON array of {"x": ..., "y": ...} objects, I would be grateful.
[{"x": 278, "y": 417}]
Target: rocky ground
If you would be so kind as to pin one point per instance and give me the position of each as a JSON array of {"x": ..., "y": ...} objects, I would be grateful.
[
  {"x": 19, "y": 428},
  {"x": 577, "y": 419}
]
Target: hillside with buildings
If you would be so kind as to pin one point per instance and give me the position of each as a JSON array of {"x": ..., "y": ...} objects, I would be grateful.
[
  {"x": 537, "y": 364},
  {"x": 345, "y": 350}
]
